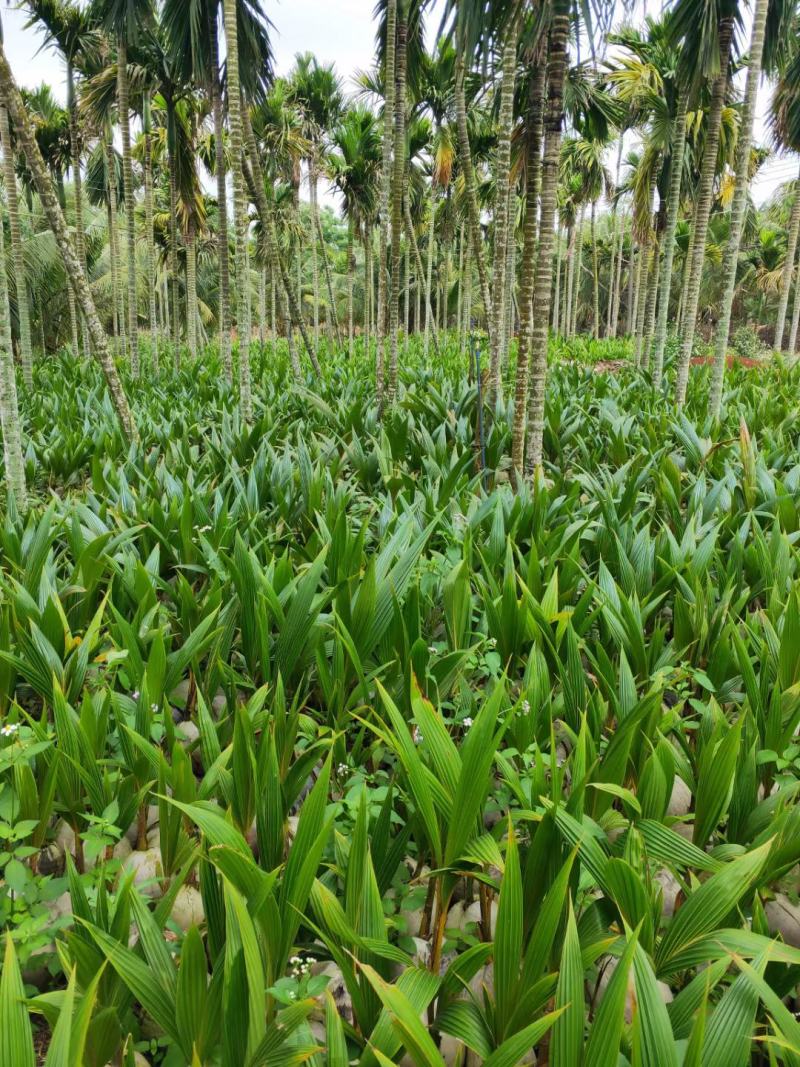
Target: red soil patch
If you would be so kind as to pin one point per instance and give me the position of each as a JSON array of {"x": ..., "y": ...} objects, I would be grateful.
[{"x": 730, "y": 359}]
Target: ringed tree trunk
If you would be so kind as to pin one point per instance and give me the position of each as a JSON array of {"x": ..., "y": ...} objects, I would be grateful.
[
  {"x": 470, "y": 189},
  {"x": 77, "y": 186},
  {"x": 556, "y": 72},
  {"x": 17, "y": 258},
  {"x": 739, "y": 205},
  {"x": 618, "y": 282},
  {"x": 429, "y": 271},
  {"x": 595, "y": 273},
  {"x": 222, "y": 198},
  {"x": 191, "y": 289},
  {"x": 9, "y": 95},
  {"x": 702, "y": 210},
  {"x": 501, "y": 206},
  {"x": 398, "y": 175},
  {"x": 113, "y": 248},
  {"x": 557, "y": 297},
  {"x": 173, "y": 237},
  {"x": 367, "y": 288},
  {"x": 610, "y": 331},
  {"x": 148, "y": 215},
  {"x": 673, "y": 207},
  {"x": 788, "y": 270},
  {"x": 351, "y": 273},
  {"x": 570, "y": 280},
  {"x": 239, "y": 205},
  {"x": 386, "y": 186},
  {"x": 533, "y": 174},
  {"x": 127, "y": 185},
  {"x": 459, "y": 290},
  {"x": 790, "y": 348},
  {"x": 9, "y": 409},
  {"x": 312, "y": 191}
]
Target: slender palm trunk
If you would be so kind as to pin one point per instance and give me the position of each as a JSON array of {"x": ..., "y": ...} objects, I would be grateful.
[
  {"x": 112, "y": 268},
  {"x": 470, "y": 187},
  {"x": 557, "y": 298},
  {"x": 739, "y": 204},
  {"x": 223, "y": 255},
  {"x": 150, "y": 234},
  {"x": 293, "y": 357},
  {"x": 77, "y": 185},
  {"x": 702, "y": 209},
  {"x": 407, "y": 295},
  {"x": 673, "y": 207},
  {"x": 113, "y": 250},
  {"x": 367, "y": 290},
  {"x": 191, "y": 290},
  {"x": 351, "y": 274},
  {"x": 616, "y": 246},
  {"x": 501, "y": 213},
  {"x": 460, "y": 290},
  {"x": 570, "y": 280},
  {"x": 239, "y": 204},
  {"x": 173, "y": 251},
  {"x": 788, "y": 269},
  {"x": 398, "y": 176},
  {"x": 17, "y": 258},
  {"x": 511, "y": 273},
  {"x": 652, "y": 295},
  {"x": 556, "y": 73},
  {"x": 127, "y": 185},
  {"x": 790, "y": 348},
  {"x": 9, "y": 95},
  {"x": 9, "y": 410},
  {"x": 595, "y": 273},
  {"x": 386, "y": 186},
  {"x": 272, "y": 325},
  {"x": 578, "y": 275},
  {"x": 262, "y": 306},
  {"x": 633, "y": 292},
  {"x": 618, "y": 282},
  {"x": 530, "y": 229},
  {"x": 429, "y": 271},
  {"x": 312, "y": 192}
]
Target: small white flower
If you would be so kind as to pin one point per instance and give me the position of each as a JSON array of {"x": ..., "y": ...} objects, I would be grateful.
[
  {"x": 417, "y": 736},
  {"x": 204, "y": 529},
  {"x": 135, "y": 694},
  {"x": 466, "y": 723},
  {"x": 341, "y": 769},
  {"x": 432, "y": 649},
  {"x": 295, "y": 960},
  {"x": 10, "y": 729},
  {"x": 526, "y": 706},
  {"x": 292, "y": 995},
  {"x": 154, "y": 708},
  {"x": 492, "y": 642}
]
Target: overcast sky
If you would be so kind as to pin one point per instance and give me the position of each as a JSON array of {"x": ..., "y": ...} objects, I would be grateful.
[{"x": 336, "y": 31}]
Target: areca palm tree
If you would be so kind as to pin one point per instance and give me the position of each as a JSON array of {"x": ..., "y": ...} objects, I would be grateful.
[
  {"x": 739, "y": 203},
  {"x": 11, "y": 99},
  {"x": 558, "y": 40},
  {"x": 20, "y": 280},
  {"x": 355, "y": 168},
  {"x": 73, "y": 31},
  {"x": 125, "y": 19},
  {"x": 785, "y": 119},
  {"x": 317, "y": 92},
  {"x": 706, "y": 31},
  {"x": 9, "y": 409}
]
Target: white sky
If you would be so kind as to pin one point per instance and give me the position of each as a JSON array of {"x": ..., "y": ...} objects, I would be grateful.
[{"x": 336, "y": 31}]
